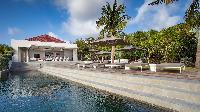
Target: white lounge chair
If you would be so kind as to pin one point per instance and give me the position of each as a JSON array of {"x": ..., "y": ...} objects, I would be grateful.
[
  {"x": 60, "y": 59},
  {"x": 179, "y": 66},
  {"x": 33, "y": 59},
  {"x": 83, "y": 63},
  {"x": 112, "y": 65},
  {"x": 136, "y": 64}
]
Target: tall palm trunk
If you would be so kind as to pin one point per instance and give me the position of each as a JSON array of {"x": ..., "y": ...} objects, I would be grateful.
[
  {"x": 197, "y": 63},
  {"x": 113, "y": 54}
]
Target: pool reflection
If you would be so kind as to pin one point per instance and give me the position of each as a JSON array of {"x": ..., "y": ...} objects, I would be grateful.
[{"x": 33, "y": 91}]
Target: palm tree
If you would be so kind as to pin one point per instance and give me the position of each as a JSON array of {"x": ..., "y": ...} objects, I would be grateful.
[
  {"x": 192, "y": 19},
  {"x": 113, "y": 21},
  {"x": 156, "y": 2}
]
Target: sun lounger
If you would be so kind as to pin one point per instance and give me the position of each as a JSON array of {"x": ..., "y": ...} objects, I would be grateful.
[
  {"x": 179, "y": 66},
  {"x": 113, "y": 65},
  {"x": 95, "y": 65},
  {"x": 139, "y": 65},
  {"x": 83, "y": 64},
  {"x": 117, "y": 64}
]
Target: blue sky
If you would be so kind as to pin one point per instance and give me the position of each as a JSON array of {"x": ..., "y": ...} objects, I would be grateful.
[{"x": 72, "y": 19}]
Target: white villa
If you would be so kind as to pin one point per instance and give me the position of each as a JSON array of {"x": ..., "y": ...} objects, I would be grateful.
[{"x": 43, "y": 48}]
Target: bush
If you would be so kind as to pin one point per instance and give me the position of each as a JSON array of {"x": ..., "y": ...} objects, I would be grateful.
[
  {"x": 187, "y": 61},
  {"x": 6, "y": 53}
]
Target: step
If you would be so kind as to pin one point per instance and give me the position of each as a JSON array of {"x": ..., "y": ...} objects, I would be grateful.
[{"x": 126, "y": 90}]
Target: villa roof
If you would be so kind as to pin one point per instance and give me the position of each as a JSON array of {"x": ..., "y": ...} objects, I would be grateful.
[{"x": 45, "y": 38}]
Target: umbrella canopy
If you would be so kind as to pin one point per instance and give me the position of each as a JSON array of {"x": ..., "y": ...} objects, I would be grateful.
[
  {"x": 102, "y": 53},
  {"x": 112, "y": 41},
  {"x": 129, "y": 48},
  {"x": 109, "y": 41}
]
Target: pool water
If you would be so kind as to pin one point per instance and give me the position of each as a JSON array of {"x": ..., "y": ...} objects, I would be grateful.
[{"x": 36, "y": 92}]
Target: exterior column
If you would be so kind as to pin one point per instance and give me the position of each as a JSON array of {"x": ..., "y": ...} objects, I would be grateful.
[
  {"x": 19, "y": 55},
  {"x": 75, "y": 55},
  {"x": 27, "y": 55},
  {"x": 113, "y": 54},
  {"x": 15, "y": 57}
]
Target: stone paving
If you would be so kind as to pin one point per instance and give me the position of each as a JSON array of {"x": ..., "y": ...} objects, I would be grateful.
[
  {"x": 192, "y": 74},
  {"x": 178, "y": 94}
]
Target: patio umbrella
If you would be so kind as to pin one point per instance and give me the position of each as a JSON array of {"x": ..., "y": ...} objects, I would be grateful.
[
  {"x": 129, "y": 48},
  {"x": 103, "y": 53},
  {"x": 112, "y": 41}
]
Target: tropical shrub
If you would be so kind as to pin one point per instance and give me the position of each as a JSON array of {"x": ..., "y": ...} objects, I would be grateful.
[
  {"x": 168, "y": 45},
  {"x": 6, "y": 53}
]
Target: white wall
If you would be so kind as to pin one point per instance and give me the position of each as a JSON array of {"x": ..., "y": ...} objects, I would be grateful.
[
  {"x": 68, "y": 53},
  {"x": 75, "y": 57}
]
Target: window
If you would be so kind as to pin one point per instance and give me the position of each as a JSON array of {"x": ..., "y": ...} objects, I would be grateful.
[{"x": 36, "y": 55}]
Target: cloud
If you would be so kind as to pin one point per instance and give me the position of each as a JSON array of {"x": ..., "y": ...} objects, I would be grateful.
[
  {"x": 155, "y": 17},
  {"x": 82, "y": 16},
  {"x": 52, "y": 34},
  {"x": 80, "y": 28},
  {"x": 14, "y": 31}
]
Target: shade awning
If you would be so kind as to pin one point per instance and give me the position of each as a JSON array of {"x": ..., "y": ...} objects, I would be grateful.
[
  {"x": 102, "y": 52},
  {"x": 109, "y": 41},
  {"x": 129, "y": 48}
]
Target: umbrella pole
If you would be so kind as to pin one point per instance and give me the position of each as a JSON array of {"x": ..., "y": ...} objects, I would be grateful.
[
  {"x": 102, "y": 59},
  {"x": 112, "y": 54}
]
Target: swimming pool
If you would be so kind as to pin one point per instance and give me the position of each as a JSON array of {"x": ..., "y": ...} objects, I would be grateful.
[{"x": 36, "y": 92}]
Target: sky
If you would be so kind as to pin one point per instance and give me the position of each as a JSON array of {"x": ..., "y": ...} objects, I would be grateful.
[{"x": 69, "y": 20}]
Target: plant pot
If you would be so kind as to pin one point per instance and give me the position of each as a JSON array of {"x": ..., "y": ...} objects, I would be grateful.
[{"x": 152, "y": 67}]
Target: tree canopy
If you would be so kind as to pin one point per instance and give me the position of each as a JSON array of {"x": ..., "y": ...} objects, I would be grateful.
[
  {"x": 168, "y": 45},
  {"x": 6, "y": 53},
  {"x": 113, "y": 19},
  {"x": 192, "y": 15},
  {"x": 156, "y": 2}
]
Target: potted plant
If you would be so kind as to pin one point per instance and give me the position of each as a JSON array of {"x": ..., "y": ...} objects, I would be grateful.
[{"x": 154, "y": 60}]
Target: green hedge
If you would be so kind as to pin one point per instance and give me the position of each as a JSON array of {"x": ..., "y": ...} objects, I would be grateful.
[
  {"x": 6, "y": 53},
  {"x": 4, "y": 60}
]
